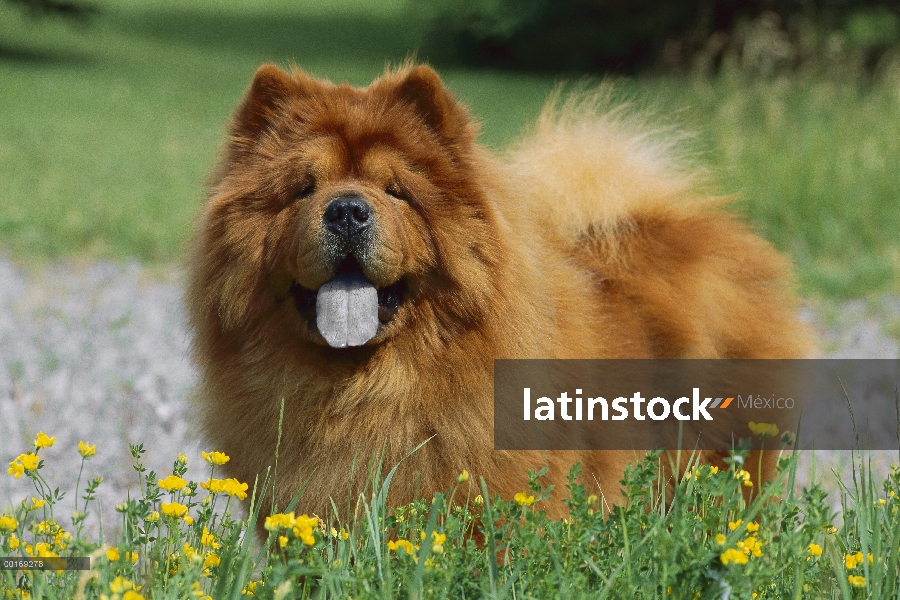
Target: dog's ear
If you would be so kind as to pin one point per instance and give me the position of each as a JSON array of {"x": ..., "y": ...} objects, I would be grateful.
[
  {"x": 270, "y": 87},
  {"x": 422, "y": 88}
]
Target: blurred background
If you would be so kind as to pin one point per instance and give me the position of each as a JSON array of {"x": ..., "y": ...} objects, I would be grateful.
[
  {"x": 111, "y": 113},
  {"x": 111, "y": 110}
]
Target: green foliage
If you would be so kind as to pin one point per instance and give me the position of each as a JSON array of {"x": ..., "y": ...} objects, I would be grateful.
[
  {"x": 702, "y": 540},
  {"x": 625, "y": 37},
  {"x": 107, "y": 133},
  {"x": 811, "y": 163}
]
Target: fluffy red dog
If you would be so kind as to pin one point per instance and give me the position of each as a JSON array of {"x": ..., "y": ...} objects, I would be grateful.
[{"x": 362, "y": 258}]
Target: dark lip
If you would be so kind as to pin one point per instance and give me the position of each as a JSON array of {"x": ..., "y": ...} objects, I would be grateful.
[{"x": 389, "y": 297}]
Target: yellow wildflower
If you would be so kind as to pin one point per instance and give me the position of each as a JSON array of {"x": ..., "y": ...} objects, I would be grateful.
[
  {"x": 215, "y": 486},
  {"x": 437, "y": 545},
  {"x": 479, "y": 500},
  {"x": 188, "y": 519},
  {"x": 191, "y": 553},
  {"x": 815, "y": 550},
  {"x": 8, "y": 523},
  {"x": 197, "y": 592},
  {"x": 61, "y": 539},
  {"x": 233, "y": 487},
  {"x": 250, "y": 588},
  {"x": 212, "y": 560},
  {"x": 713, "y": 470},
  {"x": 303, "y": 529},
  {"x": 13, "y": 541},
  {"x": 733, "y": 555},
  {"x": 523, "y": 499},
  {"x": 405, "y": 544},
  {"x": 744, "y": 476},
  {"x": 113, "y": 555},
  {"x": 16, "y": 469},
  {"x": 463, "y": 477},
  {"x": 29, "y": 461},
  {"x": 280, "y": 520},
  {"x": 763, "y": 429},
  {"x": 120, "y": 584},
  {"x": 173, "y": 509},
  {"x": 857, "y": 580},
  {"x": 43, "y": 549},
  {"x": 172, "y": 483},
  {"x": 732, "y": 525},
  {"x": 86, "y": 450},
  {"x": 852, "y": 560},
  {"x": 752, "y": 526},
  {"x": 152, "y": 517},
  {"x": 720, "y": 539},
  {"x": 215, "y": 458},
  {"x": 282, "y": 540},
  {"x": 43, "y": 440},
  {"x": 752, "y": 546},
  {"x": 208, "y": 539},
  {"x": 36, "y": 503}
]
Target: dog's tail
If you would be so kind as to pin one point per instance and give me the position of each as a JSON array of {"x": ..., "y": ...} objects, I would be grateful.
[
  {"x": 628, "y": 204},
  {"x": 595, "y": 167}
]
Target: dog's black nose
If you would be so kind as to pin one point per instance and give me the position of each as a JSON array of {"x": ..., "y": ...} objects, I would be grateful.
[{"x": 348, "y": 216}]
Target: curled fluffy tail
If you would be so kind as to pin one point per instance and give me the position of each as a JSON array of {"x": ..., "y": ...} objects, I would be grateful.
[{"x": 624, "y": 202}]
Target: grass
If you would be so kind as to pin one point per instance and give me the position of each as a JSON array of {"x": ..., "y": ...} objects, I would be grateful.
[
  {"x": 108, "y": 130},
  {"x": 698, "y": 538}
]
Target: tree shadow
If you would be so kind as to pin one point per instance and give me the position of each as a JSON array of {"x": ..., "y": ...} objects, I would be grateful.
[
  {"x": 42, "y": 56},
  {"x": 277, "y": 36}
]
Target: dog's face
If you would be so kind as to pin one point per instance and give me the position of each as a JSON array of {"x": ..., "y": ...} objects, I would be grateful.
[{"x": 359, "y": 208}]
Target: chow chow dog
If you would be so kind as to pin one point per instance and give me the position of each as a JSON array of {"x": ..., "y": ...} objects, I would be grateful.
[{"x": 362, "y": 259}]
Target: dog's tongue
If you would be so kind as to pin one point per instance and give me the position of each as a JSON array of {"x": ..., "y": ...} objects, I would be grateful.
[{"x": 347, "y": 310}]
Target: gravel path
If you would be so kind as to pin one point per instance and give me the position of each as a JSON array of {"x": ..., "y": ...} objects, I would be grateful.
[{"x": 98, "y": 352}]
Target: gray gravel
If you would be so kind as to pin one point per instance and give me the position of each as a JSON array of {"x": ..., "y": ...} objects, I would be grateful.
[{"x": 98, "y": 352}]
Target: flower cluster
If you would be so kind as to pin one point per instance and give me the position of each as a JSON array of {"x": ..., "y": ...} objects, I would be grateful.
[
  {"x": 215, "y": 458},
  {"x": 302, "y": 527},
  {"x": 744, "y": 549},
  {"x": 437, "y": 546},
  {"x": 231, "y": 486},
  {"x": 22, "y": 463}
]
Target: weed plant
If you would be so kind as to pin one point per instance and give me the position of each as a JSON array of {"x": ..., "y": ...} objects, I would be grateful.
[{"x": 713, "y": 533}]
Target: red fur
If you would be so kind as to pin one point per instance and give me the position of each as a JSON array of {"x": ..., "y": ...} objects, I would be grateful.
[{"x": 590, "y": 239}]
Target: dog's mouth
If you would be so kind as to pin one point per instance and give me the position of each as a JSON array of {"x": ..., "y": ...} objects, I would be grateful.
[{"x": 348, "y": 310}]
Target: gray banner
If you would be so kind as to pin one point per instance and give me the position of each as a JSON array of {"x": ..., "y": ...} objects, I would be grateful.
[{"x": 702, "y": 404}]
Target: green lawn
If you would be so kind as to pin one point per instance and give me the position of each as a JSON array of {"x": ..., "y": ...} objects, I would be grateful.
[{"x": 108, "y": 130}]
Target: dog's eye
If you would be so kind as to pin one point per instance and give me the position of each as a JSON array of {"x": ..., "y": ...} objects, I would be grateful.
[
  {"x": 396, "y": 192},
  {"x": 306, "y": 189}
]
